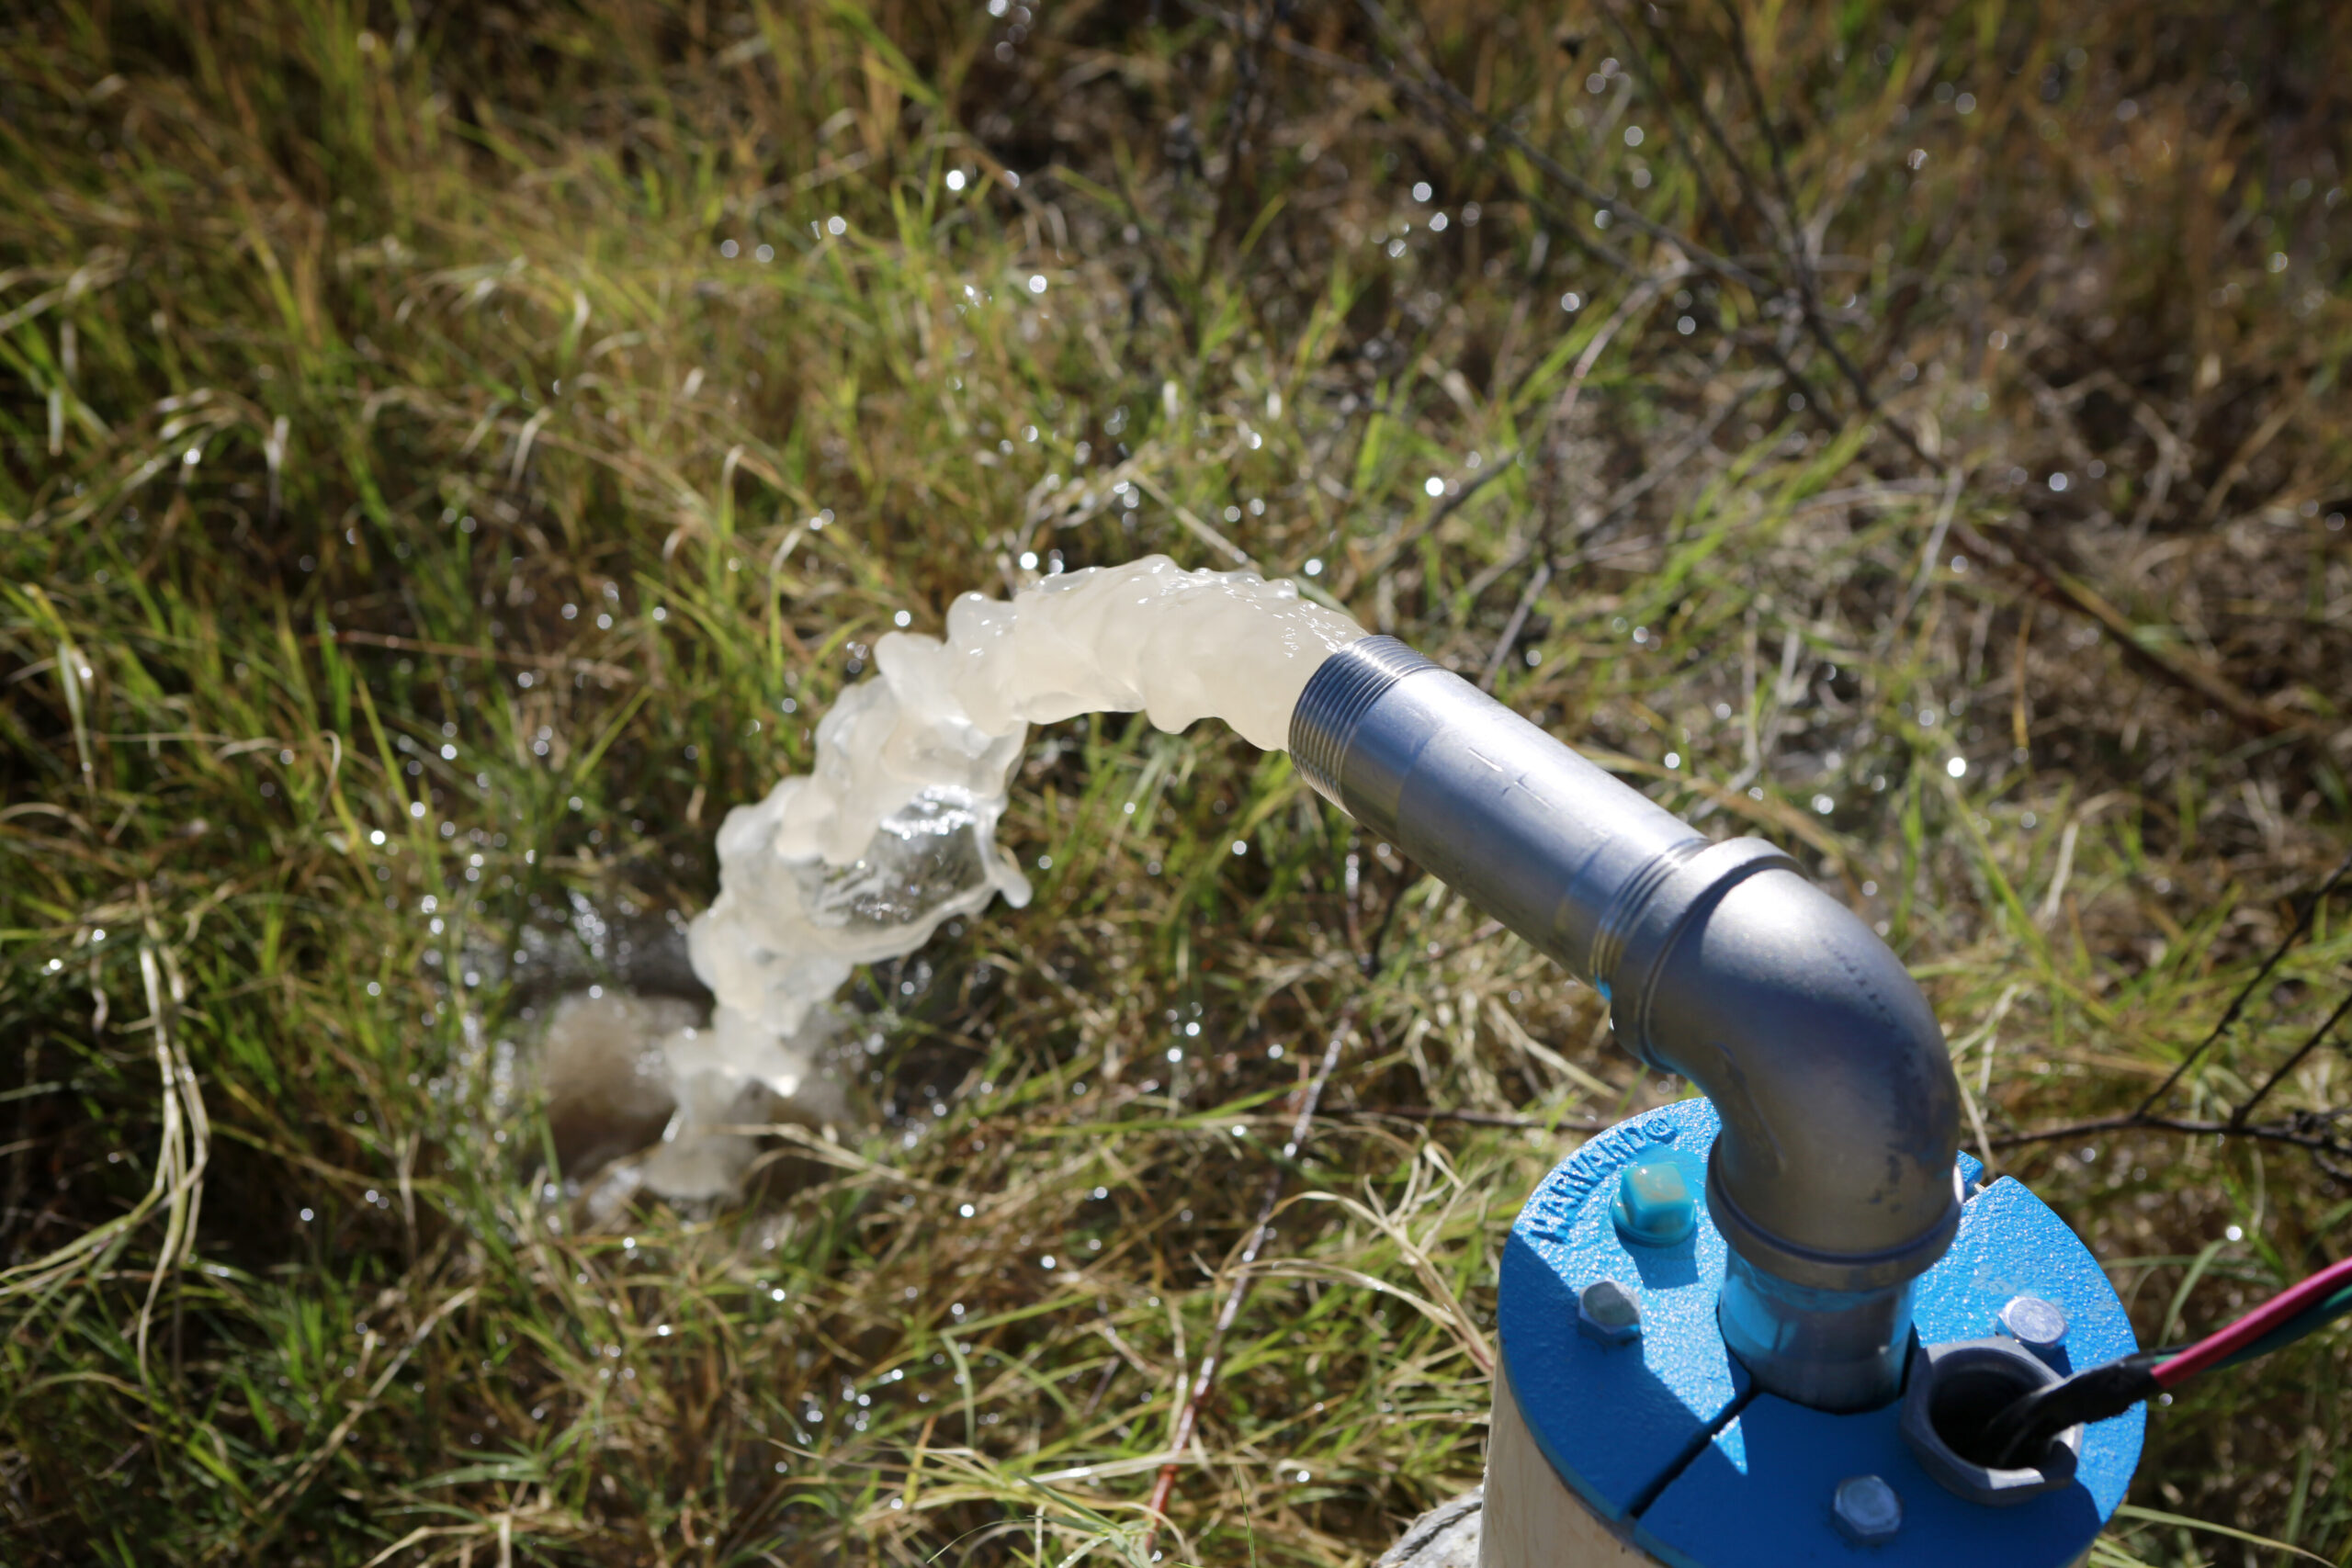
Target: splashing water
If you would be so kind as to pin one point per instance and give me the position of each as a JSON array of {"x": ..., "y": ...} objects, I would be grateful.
[{"x": 894, "y": 831}]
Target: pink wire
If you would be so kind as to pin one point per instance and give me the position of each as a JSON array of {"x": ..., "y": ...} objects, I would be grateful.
[{"x": 2252, "y": 1326}]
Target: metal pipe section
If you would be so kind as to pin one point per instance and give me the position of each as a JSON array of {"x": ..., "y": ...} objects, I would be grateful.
[{"x": 1833, "y": 1179}]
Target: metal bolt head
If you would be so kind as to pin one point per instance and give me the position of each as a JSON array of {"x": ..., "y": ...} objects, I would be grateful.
[
  {"x": 1608, "y": 1313},
  {"x": 1866, "y": 1510},
  {"x": 2033, "y": 1322},
  {"x": 1655, "y": 1204}
]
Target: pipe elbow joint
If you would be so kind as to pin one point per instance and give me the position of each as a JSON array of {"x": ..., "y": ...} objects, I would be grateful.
[
  {"x": 1839, "y": 1107},
  {"x": 1721, "y": 962}
]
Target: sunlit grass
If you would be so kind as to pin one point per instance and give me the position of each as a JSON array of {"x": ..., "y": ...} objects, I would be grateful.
[{"x": 451, "y": 460}]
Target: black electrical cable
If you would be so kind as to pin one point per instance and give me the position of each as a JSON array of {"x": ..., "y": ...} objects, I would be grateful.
[
  {"x": 2029, "y": 1423},
  {"x": 2026, "y": 1426}
]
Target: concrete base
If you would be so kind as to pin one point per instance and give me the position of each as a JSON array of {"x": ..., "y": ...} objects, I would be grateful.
[
  {"x": 1445, "y": 1537},
  {"x": 1530, "y": 1518}
]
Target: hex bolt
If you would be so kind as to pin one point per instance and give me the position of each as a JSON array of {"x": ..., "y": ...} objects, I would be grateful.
[
  {"x": 1607, "y": 1312},
  {"x": 1866, "y": 1510},
  {"x": 2037, "y": 1325}
]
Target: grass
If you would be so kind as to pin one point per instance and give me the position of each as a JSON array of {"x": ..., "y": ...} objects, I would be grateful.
[{"x": 415, "y": 430}]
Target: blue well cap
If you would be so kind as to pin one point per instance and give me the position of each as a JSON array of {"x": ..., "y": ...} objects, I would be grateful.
[{"x": 1654, "y": 1206}]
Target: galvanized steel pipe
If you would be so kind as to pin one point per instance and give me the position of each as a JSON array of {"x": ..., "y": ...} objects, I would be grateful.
[{"x": 1832, "y": 1181}]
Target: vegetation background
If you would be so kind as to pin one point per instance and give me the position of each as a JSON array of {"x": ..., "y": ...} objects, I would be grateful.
[{"x": 449, "y": 455}]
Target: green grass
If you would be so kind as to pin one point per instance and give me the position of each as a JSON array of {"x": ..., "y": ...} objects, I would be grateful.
[{"x": 408, "y": 507}]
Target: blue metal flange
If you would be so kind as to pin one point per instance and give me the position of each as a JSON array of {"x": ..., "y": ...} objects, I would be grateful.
[
  {"x": 1662, "y": 1431},
  {"x": 1614, "y": 1421}
]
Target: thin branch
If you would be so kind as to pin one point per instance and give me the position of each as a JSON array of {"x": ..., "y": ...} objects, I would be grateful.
[
  {"x": 1370, "y": 959},
  {"x": 1518, "y": 623},
  {"x": 2190, "y": 675},
  {"x": 1674, "y": 127},
  {"x": 557, "y": 661},
  {"x": 1745, "y": 62},
  {"x": 1180, "y": 1437},
  {"x": 1799, "y": 264},
  {"x": 2237, "y": 1003},
  {"x": 1618, "y": 507},
  {"x": 1454, "y": 502},
  {"x": 1953, "y": 478},
  {"x": 1583, "y": 190},
  {"x": 2237, "y": 1117},
  {"x": 1471, "y": 1117},
  {"x": 2267, "y": 1132}
]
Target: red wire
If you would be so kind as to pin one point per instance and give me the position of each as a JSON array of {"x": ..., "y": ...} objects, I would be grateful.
[{"x": 2252, "y": 1326}]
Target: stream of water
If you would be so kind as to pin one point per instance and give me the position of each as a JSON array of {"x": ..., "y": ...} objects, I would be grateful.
[{"x": 893, "y": 833}]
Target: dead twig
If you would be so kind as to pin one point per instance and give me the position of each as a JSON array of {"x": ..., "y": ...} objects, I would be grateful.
[
  {"x": 1470, "y": 1118},
  {"x": 1457, "y": 495},
  {"x": 602, "y": 671},
  {"x": 2294, "y": 1060},
  {"x": 2190, "y": 675},
  {"x": 2237, "y": 1003},
  {"x": 1518, "y": 622},
  {"x": 2273, "y": 1132},
  {"x": 1303, "y": 1104}
]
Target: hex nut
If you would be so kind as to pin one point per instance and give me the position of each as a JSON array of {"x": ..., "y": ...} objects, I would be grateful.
[
  {"x": 1866, "y": 1510},
  {"x": 1967, "y": 1382},
  {"x": 1608, "y": 1313},
  {"x": 2038, "y": 1324}
]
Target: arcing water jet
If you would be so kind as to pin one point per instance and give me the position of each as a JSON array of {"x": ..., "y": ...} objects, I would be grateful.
[{"x": 892, "y": 833}]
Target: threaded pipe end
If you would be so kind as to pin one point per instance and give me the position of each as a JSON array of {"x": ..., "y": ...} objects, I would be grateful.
[{"x": 1338, "y": 695}]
